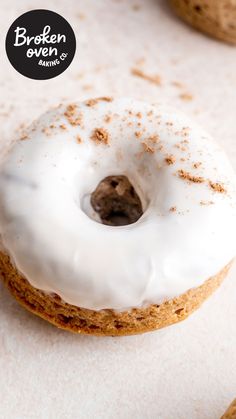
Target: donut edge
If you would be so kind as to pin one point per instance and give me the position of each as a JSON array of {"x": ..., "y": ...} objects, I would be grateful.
[
  {"x": 105, "y": 322},
  {"x": 202, "y": 22},
  {"x": 230, "y": 412}
]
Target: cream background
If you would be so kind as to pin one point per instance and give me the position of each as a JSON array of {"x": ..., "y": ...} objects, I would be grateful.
[{"x": 187, "y": 371}]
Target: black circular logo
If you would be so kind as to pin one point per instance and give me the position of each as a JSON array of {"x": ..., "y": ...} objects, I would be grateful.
[{"x": 40, "y": 44}]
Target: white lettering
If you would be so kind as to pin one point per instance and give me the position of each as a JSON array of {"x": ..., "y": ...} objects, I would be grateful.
[
  {"x": 42, "y": 38},
  {"x": 20, "y": 32},
  {"x": 44, "y": 51}
]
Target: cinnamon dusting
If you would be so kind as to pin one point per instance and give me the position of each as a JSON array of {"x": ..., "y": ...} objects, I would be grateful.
[
  {"x": 170, "y": 159},
  {"x": 187, "y": 176},
  {"x": 197, "y": 165},
  {"x": 186, "y": 96},
  {"x": 147, "y": 148},
  {"x": 92, "y": 102},
  {"x": 107, "y": 118},
  {"x": 100, "y": 135},
  {"x": 155, "y": 79},
  {"x": 217, "y": 187},
  {"x": 72, "y": 116}
]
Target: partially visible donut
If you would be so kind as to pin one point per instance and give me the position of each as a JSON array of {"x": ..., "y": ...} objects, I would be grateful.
[
  {"x": 214, "y": 17},
  {"x": 116, "y": 216},
  {"x": 231, "y": 411}
]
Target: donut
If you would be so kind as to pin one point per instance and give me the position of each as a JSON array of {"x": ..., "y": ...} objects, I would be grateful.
[
  {"x": 116, "y": 217},
  {"x": 217, "y": 18},
  {"x": 231, "y": 411}
]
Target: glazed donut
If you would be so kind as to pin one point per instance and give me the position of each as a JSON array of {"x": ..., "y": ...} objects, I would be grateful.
[
  {"x": 116, "y": 216},
  {"x": 215, "y": 17}
]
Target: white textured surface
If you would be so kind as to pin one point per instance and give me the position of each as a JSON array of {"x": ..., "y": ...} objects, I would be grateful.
[{"x": 187, "y": 370}]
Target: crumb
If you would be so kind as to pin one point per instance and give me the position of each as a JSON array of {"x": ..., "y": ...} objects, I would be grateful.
[
  {"x": 24, "y": 137},
  {"x": 206, "y": 202},
  {"x": 92, "y": 102},
  {"x": 72, "y": 116},
  {"x": 62, "y": 126},
  {"x": 87, "y": 87},
  {"x": 177, "y": 84},
  {"x": 46, "y": 131},
  {"x": 187, "y": 176},
  {"x": 100, "y": 135},
  {"x": 147, "y": 148},
  {"x": 140, "y": 61},
  {"x": 81, "y": 16},
  {"x": 154, "y": 138},
  {"x": 217, "y": 187},
  {"x": 197, "y": 165},
  {"x": 170, "y": 159},
  {"x": 186, "y": 96},
  {"x": 173, "y": 209},
  {"x": 155, "y": 79},
  {"x": 78, "y": 139},
  {"x": 138, "y": 134},
  {"x": 180, "y": 147},
  {"x": 107, "y": 118},
  {"x": 139, "y": 115}
]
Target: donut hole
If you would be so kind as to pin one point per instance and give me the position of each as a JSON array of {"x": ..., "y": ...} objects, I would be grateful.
[{"x": 116, "y": 201}]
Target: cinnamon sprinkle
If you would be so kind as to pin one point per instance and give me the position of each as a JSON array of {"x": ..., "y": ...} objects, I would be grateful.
[
  {"x": 186, "y": 96},
  {"x": 155, "y": 79},
  {"x": 154, "y": 138},
  {"x": 24, "y": 137},
  {"x": 196, "y": 165},
  {"x": 78, "y": 139},
  {"x": 206, "y": 202},
  {"x": 107, "y": 118},
  {"x": 173, "y": 209},
  {"x": 100, "y": 135},
  {"x": 217, "y": 187},
  {"x": 92, "y": 102},
  {"x": 187, "y": 176},
  {"x": 177, "y": 84},
  {"x": 170, "y": 159},
  {"x": 147, "y": 148},
  {"x": 71, "y": 115}
]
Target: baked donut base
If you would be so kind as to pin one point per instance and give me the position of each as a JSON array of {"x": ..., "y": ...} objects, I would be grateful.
[
  {"x": 213, "y": 26},
  {"x": 231, "y": 411},
  {"x": 105, "y": 322}
]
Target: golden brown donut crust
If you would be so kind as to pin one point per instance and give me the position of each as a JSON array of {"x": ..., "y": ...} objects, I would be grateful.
[
  {"x": 104, "y": 322},
  {"x": 217, "y": 18},
  {"x": 231, "y": 411}
]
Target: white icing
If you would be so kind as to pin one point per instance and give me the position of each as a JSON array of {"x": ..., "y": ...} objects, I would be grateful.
[{"x": 47, "y": 225}]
